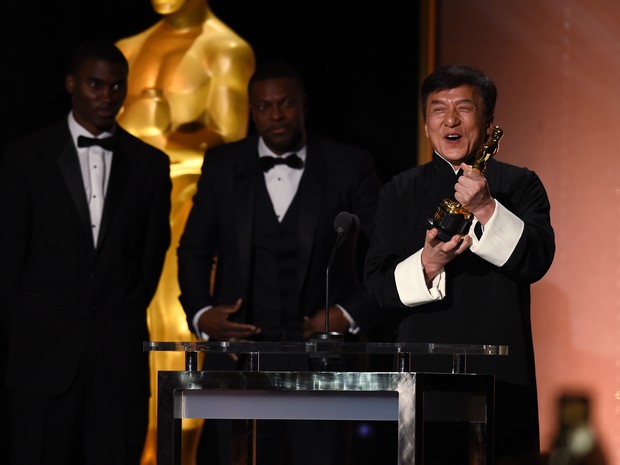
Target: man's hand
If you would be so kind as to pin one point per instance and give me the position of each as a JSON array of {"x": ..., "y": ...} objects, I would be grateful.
[
  {"x": 316, "y": 323},
  {"x": 215, "y": 323},
  {"x": 437, "y": 254},
  {"x": 472, "y": 191}
]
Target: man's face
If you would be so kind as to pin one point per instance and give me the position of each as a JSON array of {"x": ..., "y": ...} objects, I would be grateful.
[
  {"x": 455, "y": 123},
  {"x": 279, "y": 113},
  {"x": 98, "y": 89}
]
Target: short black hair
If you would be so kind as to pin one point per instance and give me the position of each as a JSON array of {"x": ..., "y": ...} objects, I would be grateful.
[
  {"x": 98, "y": 49},
  {"x": 276, "y": 70},
  {"x": 451, "y": 76}
]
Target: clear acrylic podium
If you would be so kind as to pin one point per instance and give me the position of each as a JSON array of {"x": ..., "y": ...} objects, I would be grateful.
[{"x": 412, "y": 399}]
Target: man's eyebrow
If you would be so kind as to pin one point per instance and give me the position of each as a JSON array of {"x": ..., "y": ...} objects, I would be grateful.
[
  {"x": 466, "y": 100},
  {"x": 444, "y": 101}
]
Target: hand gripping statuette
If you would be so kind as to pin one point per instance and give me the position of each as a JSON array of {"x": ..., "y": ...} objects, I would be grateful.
[{"x": 451, "y": 218}]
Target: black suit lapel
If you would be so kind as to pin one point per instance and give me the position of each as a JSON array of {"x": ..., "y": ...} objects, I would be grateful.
[
  {"x": 311, "y": 191},
  {"x": 70, "y": 169},
  {"x": 244, "y": 191},
  {"x": 114, "y": 193}
]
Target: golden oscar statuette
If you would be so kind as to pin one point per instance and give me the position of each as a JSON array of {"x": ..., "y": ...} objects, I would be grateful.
[
  {"x": 186, "y": 93},
  {"x": 451, "y": 218}
]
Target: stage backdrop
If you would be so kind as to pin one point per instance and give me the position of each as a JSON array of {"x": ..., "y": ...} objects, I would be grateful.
[
  {"x": 557, "y": 65},
  {"x": 556, "y": 62}
]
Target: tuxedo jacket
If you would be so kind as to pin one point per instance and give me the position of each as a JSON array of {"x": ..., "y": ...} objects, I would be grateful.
[
  {"x": 336, "y": 178},
  {"x": 62, "y": 297}
]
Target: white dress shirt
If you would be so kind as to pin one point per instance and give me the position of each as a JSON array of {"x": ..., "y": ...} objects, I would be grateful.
[
  {"x": 95, "y": 165},
  {"x": 282, "y": 181}
]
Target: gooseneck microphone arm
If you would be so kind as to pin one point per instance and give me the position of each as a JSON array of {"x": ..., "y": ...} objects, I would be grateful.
[{"x": 342, "y": 224}]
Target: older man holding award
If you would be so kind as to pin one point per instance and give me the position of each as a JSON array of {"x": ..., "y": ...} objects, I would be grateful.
[{"x": 458, "y": 242}]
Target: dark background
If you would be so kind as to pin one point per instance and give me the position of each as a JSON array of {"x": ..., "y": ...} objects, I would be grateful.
[{"x": 359, "y": 62}]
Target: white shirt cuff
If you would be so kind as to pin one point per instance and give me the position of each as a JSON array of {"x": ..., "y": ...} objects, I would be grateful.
[
  {"x": 501, "y": 235},
  {"x": 200, "y": 334},
  {"x": 411, "y": 284},
  {"x": 353, "y": 327}
]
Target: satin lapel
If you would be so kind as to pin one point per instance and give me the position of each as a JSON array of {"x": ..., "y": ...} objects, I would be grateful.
[
  {"x": 311, "y": 192},
  {"x": 114, "y": 193},
  {"x": 244, "y": 193},
  {"x": 70, "y": 168}
]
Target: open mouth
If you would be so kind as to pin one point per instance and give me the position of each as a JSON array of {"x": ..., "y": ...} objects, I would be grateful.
[{"x": 453, "y": 137}]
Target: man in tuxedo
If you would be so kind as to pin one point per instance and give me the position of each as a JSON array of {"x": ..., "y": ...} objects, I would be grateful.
[
  {"x": 85, "y": 229},
  {"x": 471, "y": 288},
  {"x": 261, "y": 230}
]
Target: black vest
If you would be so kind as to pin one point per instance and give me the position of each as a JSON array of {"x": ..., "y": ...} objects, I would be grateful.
[{"x": 274, "y": 306}]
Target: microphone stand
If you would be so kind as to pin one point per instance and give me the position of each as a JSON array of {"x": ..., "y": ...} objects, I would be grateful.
[
  {"x": 327, "y": 335},
  {"x": 342, "y": 224}
]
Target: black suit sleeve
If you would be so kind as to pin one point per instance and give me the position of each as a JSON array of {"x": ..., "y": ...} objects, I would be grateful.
[
  {"x": 157, "y": 237},
  {"x": 535, "y": 250},
  {"x": 362, "y": 199},
  {"x": 364, "y": 196},
  {"x": 198, "y": 245},
  {"x": 387, "y": 247},
  {"x": 14, "y": 232}
]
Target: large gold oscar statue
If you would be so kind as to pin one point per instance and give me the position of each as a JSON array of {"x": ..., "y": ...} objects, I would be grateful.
[{"x": 188, "y": 77}]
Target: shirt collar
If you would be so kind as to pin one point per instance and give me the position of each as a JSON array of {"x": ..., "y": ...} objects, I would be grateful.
[
  {"x": 455, "y": 171},
  {"x": 264, "y": 151},
  {"x": 77, "y": 130}
]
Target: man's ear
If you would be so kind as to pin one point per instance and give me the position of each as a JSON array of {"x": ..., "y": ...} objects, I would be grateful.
[
  {"x": 70, "y": 83},
  {"x": 489, "y": 130}
]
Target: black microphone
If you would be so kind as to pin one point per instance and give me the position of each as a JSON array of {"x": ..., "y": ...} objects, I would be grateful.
[{"x": 343, "y": 223}]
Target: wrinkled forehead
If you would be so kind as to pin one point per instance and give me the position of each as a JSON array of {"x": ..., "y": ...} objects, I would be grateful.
[
  {"x": 453, "y": 96},
  {"x": 456, "y": 94}
]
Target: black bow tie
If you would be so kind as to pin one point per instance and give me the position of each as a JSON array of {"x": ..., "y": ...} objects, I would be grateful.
[
  {"x": 107, "y": 143},
  {"x": 292, "y": 161}
]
